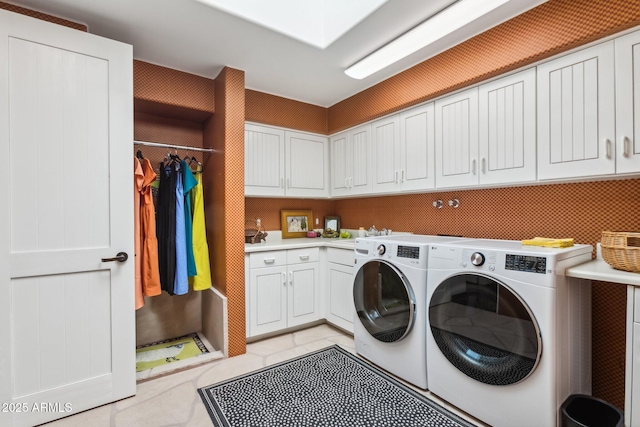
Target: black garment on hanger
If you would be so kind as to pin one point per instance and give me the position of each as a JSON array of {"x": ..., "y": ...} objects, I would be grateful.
[{"x": 166, "y": 225}]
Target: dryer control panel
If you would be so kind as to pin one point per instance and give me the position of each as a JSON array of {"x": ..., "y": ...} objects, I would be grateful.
[
  {"x": 408, "y": 252},
  {"x": 528, "y": 264}
]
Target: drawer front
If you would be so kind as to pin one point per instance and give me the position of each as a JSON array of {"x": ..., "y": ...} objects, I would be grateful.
[
  {"x": 340, "y": 256},
  {"x": 267, "y": 259},
  {"x": 297, "y": 256},
  {"x": 636, "y": 304}
]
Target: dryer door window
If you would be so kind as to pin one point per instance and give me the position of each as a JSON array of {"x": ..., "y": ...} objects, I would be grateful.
[
  {"x": 485, "y": 329},
  {"x": 384, "y": 301}
]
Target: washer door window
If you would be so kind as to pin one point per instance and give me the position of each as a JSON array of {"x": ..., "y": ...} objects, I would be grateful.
[
  {"x": 384, "y": 301},
  {"x": 485, "y": 329}
]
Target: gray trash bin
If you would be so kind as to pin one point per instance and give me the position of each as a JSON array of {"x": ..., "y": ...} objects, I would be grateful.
[{"x": 581, "y": 410}]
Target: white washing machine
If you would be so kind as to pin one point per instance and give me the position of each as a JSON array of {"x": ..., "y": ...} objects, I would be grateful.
[
  {"x": 509, "y": 336},
  {"x": 390, "y": 296}
]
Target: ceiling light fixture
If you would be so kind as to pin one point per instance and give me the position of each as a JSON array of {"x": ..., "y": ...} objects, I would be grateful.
[{"x": 438, "y": 26}]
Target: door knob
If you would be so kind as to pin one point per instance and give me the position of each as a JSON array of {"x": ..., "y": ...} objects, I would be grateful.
[{"x": 120, "y": 257}]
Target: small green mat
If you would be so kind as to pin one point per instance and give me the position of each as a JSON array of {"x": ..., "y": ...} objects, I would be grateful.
[{"x": 169, "y": 351}]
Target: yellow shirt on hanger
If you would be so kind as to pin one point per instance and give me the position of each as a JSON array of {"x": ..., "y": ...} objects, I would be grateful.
[{"x": 202, "y": 280}]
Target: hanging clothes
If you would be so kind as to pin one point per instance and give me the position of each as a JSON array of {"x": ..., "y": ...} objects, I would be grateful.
[
  {"x": 202, "y": 280},
  {"x": 181, "y": 280},
  {"x": 188, "y": 183},
  {"x": 150, "y": 271},
  {"x": 166, "y": 226},
  {"x": 138, "y": 180}
]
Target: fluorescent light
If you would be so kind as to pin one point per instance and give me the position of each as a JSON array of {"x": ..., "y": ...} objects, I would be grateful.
[{"x": 449, "y": 20}]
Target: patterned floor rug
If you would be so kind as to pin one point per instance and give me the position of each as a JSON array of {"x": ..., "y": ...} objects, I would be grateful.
[
  {"x": 330, "y": 387},
  {"x": 168, "y": 351}
]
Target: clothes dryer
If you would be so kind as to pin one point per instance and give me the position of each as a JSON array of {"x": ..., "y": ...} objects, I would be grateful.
[
  {"x": 509, "y": 336},
  {"x": 389, "y": 293}
]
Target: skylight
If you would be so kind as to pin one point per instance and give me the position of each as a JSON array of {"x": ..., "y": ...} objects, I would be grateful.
[{"x": 315, "y": 22}]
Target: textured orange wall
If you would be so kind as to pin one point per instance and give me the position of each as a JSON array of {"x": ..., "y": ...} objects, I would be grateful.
[
  {"x": 546, "y": 30},
  {"x": 268, "y": 210},
  {"x": 277, "y": 111},
  {"x": 225, "y": 210},
  {"x": 43, "y": 16}
]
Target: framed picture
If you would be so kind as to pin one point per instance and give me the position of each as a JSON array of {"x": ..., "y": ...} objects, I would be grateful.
[
  {"x": 295, "y": 223},
  {"x": 332, "y": 222}
]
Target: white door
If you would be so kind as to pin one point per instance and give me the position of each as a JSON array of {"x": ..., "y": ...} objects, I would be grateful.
[
  {"x": 457, "y": 140},
  {"x": 628, "y": 103},
  {"x": 263, "y": 161},
  {"x": 303, "y": 293},
  {"x": 508, "y": 129},
  {"x": 360, "y": 160},
  {"x": 340, "y": 158},
  {"x": 385, "y": 140},
  {"x": 576, "y": 114},
  {"x": 307, "y": 165},
  {"x": 66, "y": 131},
  {"x": 268, "y": 299},
  {"x": 417, "y": 148}
]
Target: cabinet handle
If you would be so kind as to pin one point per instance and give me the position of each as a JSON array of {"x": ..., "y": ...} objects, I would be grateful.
[
  {"x": 291, "y": 277},
  {"x": 350, "y": 182},
  {"x": 304, "y": 257},
  {"x": 625, "y": 146},
  {"x": 608, "y": 147},
  {"x": 484, "y": 164},
  {"x": 401, "y": 175},
  {"x": 473, "y": 166},
  {"x": 396, "y": 176},
  {"x": 284, "y": 278},
  {"x": 346, "y": 183},
  {"x": 269, "y": 260},
  {"x": 288, "y": 183}
]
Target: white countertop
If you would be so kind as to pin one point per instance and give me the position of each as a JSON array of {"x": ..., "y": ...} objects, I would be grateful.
[
  {"x": 275, "y": 242},
  {"x": 598, "y": 269}
]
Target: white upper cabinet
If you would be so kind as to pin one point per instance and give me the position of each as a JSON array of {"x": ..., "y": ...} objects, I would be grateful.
[
  {"x": 417, "y": 148},
  {"x": 508, "y": 129},
  {"x": 385, "y": 142},
  {"x": 403, "y": 151},
  {"x": 576, "y": 114},
  {"x": 279, "y": 163},
  {"x": 457, "y": 139},
  {"x": 627, "y": 51},
  {"x": 307, "y": 165},
  {"x": 263, "y": 161},
  {"x": 350, "y": 162}
]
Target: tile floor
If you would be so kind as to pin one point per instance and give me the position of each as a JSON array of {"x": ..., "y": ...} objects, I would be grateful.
[{"x": 173, "y": 400}]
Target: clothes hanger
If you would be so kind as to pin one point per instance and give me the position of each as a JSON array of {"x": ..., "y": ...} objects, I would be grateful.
[{"x": 139, "y": 155}]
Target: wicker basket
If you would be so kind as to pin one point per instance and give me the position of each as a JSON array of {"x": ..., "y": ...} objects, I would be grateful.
[{"x": 621, "y": 250}]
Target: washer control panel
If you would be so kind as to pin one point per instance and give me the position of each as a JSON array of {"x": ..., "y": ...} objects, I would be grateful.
[
  {"x": 408, "y": 252},
  {"x": 525, "y": 263}
]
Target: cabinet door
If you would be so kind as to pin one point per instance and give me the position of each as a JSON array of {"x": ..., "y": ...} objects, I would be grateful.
[
  {"x": 263, "y": 161},
  {"x": 417, "y": 148},
  {"x": 340, "y": 310},
  {"x": 457, "y": 140},
  {"x": 507, "y": 109},
  {"x": 303, "y": 293},
  {"x": 359, "y": 159},
  {"x": 307, "y": 165},
  {"x": 576, "y": 114},
  {"x": 385, "y": 142},
  {"x": 628, "y": 103},
  {"x": 340, "y": 158},
  {"x": 267, "y": 300}
]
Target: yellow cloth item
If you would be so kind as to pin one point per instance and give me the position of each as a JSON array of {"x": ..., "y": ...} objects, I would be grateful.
[
  {"x": 202, "y": 280},
  {"x": 548, "y": 242}
]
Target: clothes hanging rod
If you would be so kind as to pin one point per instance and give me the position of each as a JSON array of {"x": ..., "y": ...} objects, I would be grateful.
[{"x": 177, "y": 147}]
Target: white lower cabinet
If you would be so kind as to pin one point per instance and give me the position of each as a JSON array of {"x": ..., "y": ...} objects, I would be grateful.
[
  {"x": 282, "y": 290},
  {"x": 339, "y": 292},
  {"x": 632, "y": 389}
]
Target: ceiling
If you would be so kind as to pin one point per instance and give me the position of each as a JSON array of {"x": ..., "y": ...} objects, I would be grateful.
[{"x": 190, "y": 36}]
